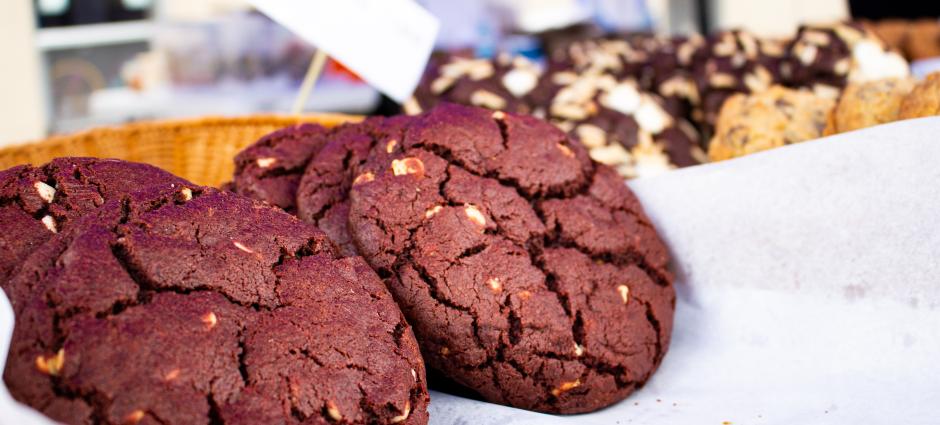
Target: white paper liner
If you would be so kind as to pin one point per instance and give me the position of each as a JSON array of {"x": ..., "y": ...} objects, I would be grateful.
[{"x": 808, "y": 282}]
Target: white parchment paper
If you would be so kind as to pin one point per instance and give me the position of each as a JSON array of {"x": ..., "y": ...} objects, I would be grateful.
[{"x": 808, "y": 282}]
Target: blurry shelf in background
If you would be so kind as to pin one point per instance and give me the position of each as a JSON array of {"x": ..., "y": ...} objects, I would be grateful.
[
  {"x": 59, "y": 38},
  {"x": 120, "y": 105}
]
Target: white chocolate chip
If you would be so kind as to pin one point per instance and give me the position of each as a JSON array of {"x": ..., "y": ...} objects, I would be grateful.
[
  {"x": 487, "y": 99},
  {"x": 333, "y": 411},
  {"x": 49, "y": 222},
  {"x": 495, "y": 284},
  {"x": 591, "y": 135},
  {"x": 520, "y": 82},
  {"x": 817, "y": 38},
  {"x": 565, "y": 387},
  {"x": 171, "y": 375},
  {"x": 414, "y": 375},
  {"x": 210, "y": 320},
  {"x": 611, "y": 154},
  {"x": 651, "y": 117},
  {"x": 499, "y": 115},
  {"x": 404, "y": 414},
  {"x": 51, "y": 365},
  {"x": 872, "y": 62},
  {"x": 475, "y": 215},
  {"x": 806, "y": 53},
  {"x": 187, "y": 193},
  {"x": 441, "y": 84},
  {"x": 649, "y": 157},
  {"x": 363, "y": 178},
  {"x": 410, "y": 165},
  {"x": 46, "y": 192},
  {"x": 624, "y": 291},
  {"x": 411, "y": 106},
  {"x": 566, "y": 151},
  {"x": 578, "y": 350},
  {"x": 623, "y": 98},
  {"x": 390, "y": 146},
  {"x": 134, "y": 417},
  {"x": 432, "y": 211},
  {"x": 242, "y": 247},
  {"x": 265, "y": 162},
  {"x": 722, "y": 80}
]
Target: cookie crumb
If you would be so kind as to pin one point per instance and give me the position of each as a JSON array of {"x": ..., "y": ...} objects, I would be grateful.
[
  {"x": 46, "y": 192},
  {"x": 49, "y": 222},
  {"x": 265, "y": 162},
  {"x": 445, "y": 351},
  {"x": 51, "y": 365}
]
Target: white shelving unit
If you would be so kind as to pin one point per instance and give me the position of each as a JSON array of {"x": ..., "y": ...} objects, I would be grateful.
[{"x": 93, "y": 35}]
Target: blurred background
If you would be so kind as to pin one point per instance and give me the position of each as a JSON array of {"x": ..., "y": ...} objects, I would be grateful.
[{"x": 74, "y": 64}]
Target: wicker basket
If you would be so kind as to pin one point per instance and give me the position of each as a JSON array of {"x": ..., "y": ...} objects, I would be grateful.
[{"x": 200, "y": 150}]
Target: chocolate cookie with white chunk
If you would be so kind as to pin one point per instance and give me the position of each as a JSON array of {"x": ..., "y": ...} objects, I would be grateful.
[
  {"x": 502, "y": 83},
  {"x": 38, "y": 202},
  {"x": 204, "y": 307},
  {"x": 620, "y": 124},
  {"x": 531, "y": 274},
  {"x": 269, "y": 170}
]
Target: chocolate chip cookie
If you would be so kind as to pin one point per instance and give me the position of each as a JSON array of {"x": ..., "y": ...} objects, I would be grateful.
[
  {"x": 923, "y": 100},
  {"x": 38, "y": 202},
  {"x": 270, "y": 169},
  {"x": 867, "y": 104},
  {"x": 530, "y": 273},
  {"x": 761, "y": 121},
  {"x": 202, "y": 306}
]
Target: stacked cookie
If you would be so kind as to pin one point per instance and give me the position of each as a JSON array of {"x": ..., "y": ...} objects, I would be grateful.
[
  {"x": 644, "y": 103},
  {"x": 880, "y": 101},
  {"x": 142, "y": 298},
  {"x": 530, "y": 273}
]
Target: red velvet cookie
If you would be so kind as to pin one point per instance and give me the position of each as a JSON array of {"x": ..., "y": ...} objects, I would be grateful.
[{"x": 201, "y": 306}]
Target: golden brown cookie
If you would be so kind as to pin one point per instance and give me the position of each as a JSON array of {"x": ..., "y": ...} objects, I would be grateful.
[
  {"x": 923, "y": 100},
  {"x": 776, "y": 117},
  {"x": 866, "y": 104}
]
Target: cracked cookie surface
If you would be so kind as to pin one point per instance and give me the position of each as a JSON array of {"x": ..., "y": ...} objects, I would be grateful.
[
  {"x": 37, "y": 202},
  {"x": 200, "y": 306},
  {"x": 530, "y": 274},
  {"x": 270, "y": 169}
]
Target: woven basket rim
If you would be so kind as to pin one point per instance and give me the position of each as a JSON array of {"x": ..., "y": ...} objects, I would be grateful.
[{"x": 203, "y": 122}]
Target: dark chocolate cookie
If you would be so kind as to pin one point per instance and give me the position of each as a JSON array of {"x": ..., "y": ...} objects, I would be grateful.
[
  {"x": 530, "y": 273},
  {"x": 270, "y": 169},
  {"x": 205, "y": 307},
  {"x": 37, "y": 202}
]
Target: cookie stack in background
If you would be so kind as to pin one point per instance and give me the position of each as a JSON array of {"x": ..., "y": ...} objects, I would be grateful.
[{"x": 645, "y": 104}]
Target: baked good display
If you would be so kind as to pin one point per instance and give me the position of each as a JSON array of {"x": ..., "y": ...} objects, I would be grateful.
[
  {"x": 38, "y": 202},
  {"x": 530, "y": 273},
  {"x": 620, "y": 124},
  {"x": 825, "y": 58},
  {"x": 270, "y": 169},
  {"x": 923, "y": 100},
  {"x": 761, "y": 121},
  {"x": 200, "y": 306},
  {"x": 866, "y": 104},
  {"x": 502, "y": 83}
]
